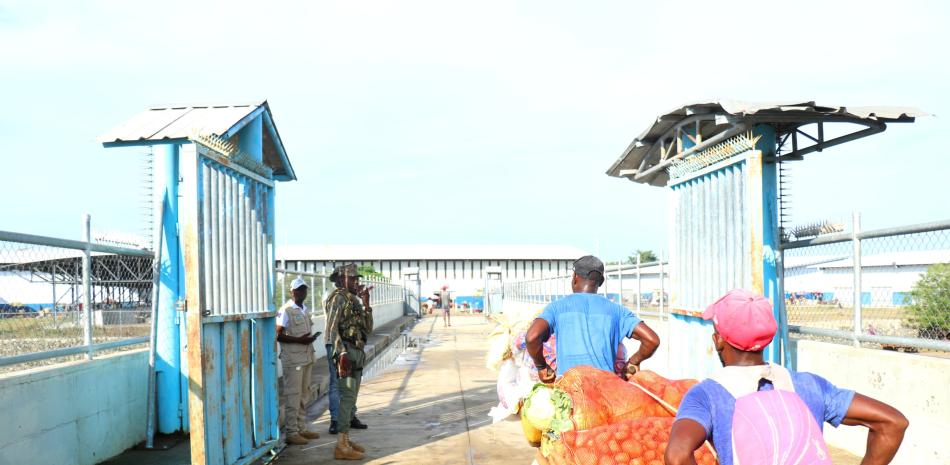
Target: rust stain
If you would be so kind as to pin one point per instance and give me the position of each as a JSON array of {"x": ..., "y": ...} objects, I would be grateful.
[
  {"x": 680, "y": 311},
  {"x": 754, "y": 164},
  {"x": 245, "y": 353},
  {"x": 229, "y": 355}
]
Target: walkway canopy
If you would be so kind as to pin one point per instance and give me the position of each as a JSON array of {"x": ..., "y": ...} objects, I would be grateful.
[{"x": 698, "y": 126}]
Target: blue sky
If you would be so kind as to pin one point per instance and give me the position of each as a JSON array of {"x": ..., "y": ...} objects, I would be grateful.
[{"x": 502, "y": 116}]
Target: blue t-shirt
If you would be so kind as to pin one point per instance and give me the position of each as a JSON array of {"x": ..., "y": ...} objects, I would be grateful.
[
  {"x": 588, "y": 328},
  {"x": 711, "y": 405}
]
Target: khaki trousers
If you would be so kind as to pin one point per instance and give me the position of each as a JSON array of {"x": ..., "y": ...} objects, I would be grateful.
[{"x": 296, "y": 391}]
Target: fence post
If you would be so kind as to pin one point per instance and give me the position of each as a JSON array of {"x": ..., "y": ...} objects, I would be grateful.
[
  {"x": 856, "y": 261},
  {"x": 662, "y": 286},
  {"x": 639, "y": 285},
  {"x": 87, "y": 285},
  {"x": 323, "y": 282},
  {"x": 313, "y": 296},
  {"x": 620, "y": 282}
]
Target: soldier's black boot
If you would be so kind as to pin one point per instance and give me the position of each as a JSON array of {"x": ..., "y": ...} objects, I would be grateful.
[{"x": 357, "y": 424}]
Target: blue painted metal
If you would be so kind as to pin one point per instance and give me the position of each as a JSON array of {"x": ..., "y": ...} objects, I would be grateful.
[
  {"x": 771, "y": 239},
  {"x": 724, "y": 236},
  {"x": 241, "y": 124},
  {"x": 250, "y": 137},
  {"x": 279, "y": 146},
  {"x": 709, "y": 255},
  {"x": 168, "y": 354},
  {"x": 235, "y": 393},
  {"x": 710, "y": 241}
]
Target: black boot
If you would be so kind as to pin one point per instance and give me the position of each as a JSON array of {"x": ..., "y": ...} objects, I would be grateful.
[
  {"x": 357, "y": 424},
  {"x": 333, "y": 429}
]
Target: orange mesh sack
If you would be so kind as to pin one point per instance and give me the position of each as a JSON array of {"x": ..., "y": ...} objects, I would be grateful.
[
  {"x": 639, "y": 441},
  {"x": 671, "y": 391},
  {"x": 600, "y": 397}
]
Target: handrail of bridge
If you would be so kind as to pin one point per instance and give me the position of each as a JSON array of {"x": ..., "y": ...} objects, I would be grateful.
[
  {"x": 25, "y": 332},
  {"x": 877, "y": 233},
  {"x": 8, "y": 236},
  {"x": 383, "y": 292}
]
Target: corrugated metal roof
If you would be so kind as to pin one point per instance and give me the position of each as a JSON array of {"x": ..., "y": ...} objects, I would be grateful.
[
  {"x": 373, "y": 252},
  {"x": 180, "y": 122},
  {"x": 727, "y": 114},
  {"x": 165, "y": 123}
]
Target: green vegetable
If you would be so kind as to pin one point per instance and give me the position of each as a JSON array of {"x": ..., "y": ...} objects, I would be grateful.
[{"x": 548, "y": 409}]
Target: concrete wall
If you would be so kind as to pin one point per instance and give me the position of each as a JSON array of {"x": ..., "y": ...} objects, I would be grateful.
[
  {"x": 78, "y": 413},
  {"x": 917, "y": 385}
]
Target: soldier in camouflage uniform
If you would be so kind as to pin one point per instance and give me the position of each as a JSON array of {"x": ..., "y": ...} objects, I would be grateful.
[{"x": 349, "y": 324}]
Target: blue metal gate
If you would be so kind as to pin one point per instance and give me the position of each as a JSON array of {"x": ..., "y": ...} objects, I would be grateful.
[
  {"x": 720, "y": 217},
  {"x": 228, "y": 238}
]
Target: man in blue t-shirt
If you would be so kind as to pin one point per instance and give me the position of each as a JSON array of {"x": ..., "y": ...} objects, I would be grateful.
[
  {"x": 589, "y": 327},
  {"x": 744, "y": 325}
]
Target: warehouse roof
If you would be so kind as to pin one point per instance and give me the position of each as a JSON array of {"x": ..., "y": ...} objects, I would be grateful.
[
  {"x": 372, "y": 252},
  {"x": 896, "y": 259},
  {"x": 706, "y": 124}
]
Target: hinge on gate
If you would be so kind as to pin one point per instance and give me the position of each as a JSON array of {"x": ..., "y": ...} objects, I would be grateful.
[
  {"x": 181, "y": 410},
  {"x": 180, "y": 306}
]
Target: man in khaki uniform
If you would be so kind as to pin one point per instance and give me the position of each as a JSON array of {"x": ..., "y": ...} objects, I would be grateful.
[
  {"x": 295, "y": 335},
  {"x": 349, "y": 324}
]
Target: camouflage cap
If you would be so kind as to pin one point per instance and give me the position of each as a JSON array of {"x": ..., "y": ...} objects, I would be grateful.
[{"x": 349, "y": 269}]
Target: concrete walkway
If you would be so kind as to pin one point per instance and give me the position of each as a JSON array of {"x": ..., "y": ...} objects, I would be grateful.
[{"x": 430, "y": 407}]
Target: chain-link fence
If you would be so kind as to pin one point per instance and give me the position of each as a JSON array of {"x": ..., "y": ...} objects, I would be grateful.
[
  {"x": 895, "y": 295},
  {"x": 319, "y": 288},
  {"x": 638, "y": 287},
  {"x": 62, "y": 299}
]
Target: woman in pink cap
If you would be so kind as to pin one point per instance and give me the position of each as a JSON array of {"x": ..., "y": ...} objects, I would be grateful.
[{"x": 754, "y": 412}]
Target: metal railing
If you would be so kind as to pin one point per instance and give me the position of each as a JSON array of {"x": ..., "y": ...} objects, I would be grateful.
[
  {"x": 320, "y": 287},
  {"x": 636, "y": 286},
  {"x": 865, "y": 286},
  {"x": 67, "y": 298}
]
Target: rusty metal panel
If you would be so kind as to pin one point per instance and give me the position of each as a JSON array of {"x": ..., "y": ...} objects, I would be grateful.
[{"x": 231, "y": 320}]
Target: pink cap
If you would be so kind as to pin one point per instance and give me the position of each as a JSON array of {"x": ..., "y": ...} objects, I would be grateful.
[{"x": 744, "y": 319}]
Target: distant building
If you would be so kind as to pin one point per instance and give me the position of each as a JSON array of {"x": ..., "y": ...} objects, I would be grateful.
[
  {"x": 461, "y": 267},
  {"x": 887, "y": 278}
]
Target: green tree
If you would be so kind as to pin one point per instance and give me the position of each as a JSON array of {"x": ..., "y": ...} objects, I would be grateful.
[
  {"x": 369, "y": 272},
  {"x": 930, "y": 310},
  {"x": 646, "y": 256}
]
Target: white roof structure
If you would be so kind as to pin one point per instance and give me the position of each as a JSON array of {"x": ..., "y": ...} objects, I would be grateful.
[
  {"x": 378, "y": 252},
  {"x": 922, "y": 257}
]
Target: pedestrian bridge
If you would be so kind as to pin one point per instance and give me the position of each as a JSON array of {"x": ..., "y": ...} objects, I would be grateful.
[{"x": 426, "y": 398}]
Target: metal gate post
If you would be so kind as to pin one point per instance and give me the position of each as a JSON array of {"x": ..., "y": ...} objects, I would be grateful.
[
  {"x": 856, "y": 262},
  {"x": 87, "y": 287}
]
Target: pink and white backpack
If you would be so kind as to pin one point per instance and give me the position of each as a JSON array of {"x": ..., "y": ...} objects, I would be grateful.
[{"x": 771, "y": 427}]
